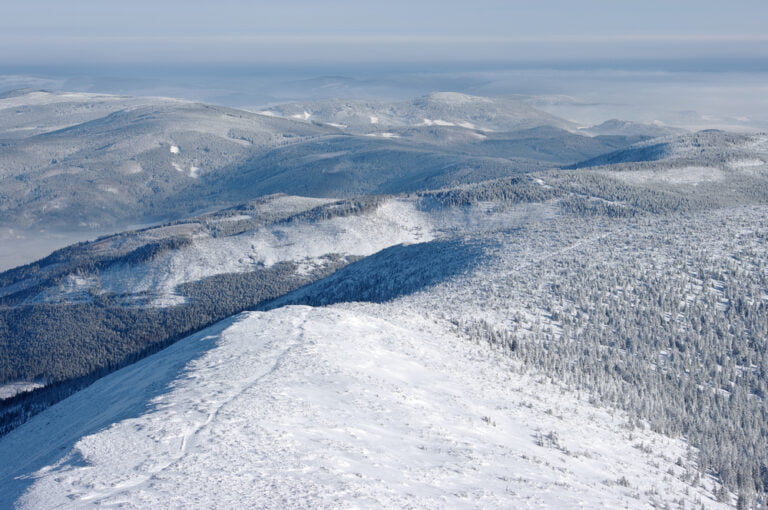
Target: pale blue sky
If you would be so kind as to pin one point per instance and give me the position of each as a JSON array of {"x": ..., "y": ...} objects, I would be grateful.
[{"x": 296, "y": 31}]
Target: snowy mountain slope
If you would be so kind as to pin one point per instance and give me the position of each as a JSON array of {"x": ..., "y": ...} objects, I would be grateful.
[
  {"x": 25, "y": 113},
  {"x": 624, "y": 127},
  {"x": 349, "y": 166},
  {"x": 422, "y": 159},
  {"x": 152, "y": 264},
  {"x": 194, "y": 271},
  {"x": 334, "y": 408},
  {"x": 271, "y": 231},
  {"x": 122, "y": 167},
  {"x": 443, "y": 109},
  {"x": 635, "y": 309},
  {"x": 80, "y": 162},
  {"x": 118, "y": 298},
  {"x": 393, "y": 222},
  {"x": 72, "y": 162},
  {"x": 526, "y": 262},
  {"x": 705, "y": 148}
]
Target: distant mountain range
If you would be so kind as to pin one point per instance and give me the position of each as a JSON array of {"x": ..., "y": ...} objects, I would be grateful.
[
  {"x": 96, "y": 162},
  {"x": 444, "y": 109}
]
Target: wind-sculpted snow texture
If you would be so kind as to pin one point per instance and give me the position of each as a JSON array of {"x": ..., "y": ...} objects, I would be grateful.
[{"x": 334, "y": 408}]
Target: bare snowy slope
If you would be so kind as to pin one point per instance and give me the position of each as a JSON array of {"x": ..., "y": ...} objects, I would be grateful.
[{"x": 333, "y": 408}]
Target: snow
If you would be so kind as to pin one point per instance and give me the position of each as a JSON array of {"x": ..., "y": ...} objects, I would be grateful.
[
  {"x": 175, "y": 149},
  {"x": 683, "y": 175},
  {"x": 305, "y": 115},
  {"x": 385, "y": 134},
  {"x": 238, "y": 217},
  {"x": 72, "y": 289},
  {"x": 446, "y": 123},
  {"x": 10, "y": 389},
  {"x": 394, "y": 222},
  {"x": 437, "y": 122},
  {"x": 354, "y": 406},
  {"x": 36, "y": 98},
  {"x": 745, "y": 163},
  {"x": 757, "y": 143},
  {"x": 131, "y": 167},
  {"x": 439, "y": 109},
  {"x": 193, "y": 172},
  {"x": 289, "y": 204},
  {"x": 457, "y": 98}
]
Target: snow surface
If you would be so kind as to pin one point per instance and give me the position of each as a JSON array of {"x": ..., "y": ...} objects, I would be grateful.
[
  {"x": 354, "y": 406},
  {"x": 746, "y": 163},
  {"x": 395, "y": 221},
  {"x": 457, "y": 98},
  {"x": 385, "y": 134},
  {"x": 305, "y": 115},
  {"x": 445, "y": 123},
  {"x": 193, "y": 171},
  {"x": 683, "y": 175}
]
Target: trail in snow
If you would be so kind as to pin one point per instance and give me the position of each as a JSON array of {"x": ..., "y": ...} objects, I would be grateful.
[{"x": 348, "y": 406}]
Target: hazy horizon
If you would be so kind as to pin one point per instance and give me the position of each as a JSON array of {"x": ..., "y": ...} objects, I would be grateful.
[
  {"x": 690, "y": 63},
  {"x": 342, "y": 31}
]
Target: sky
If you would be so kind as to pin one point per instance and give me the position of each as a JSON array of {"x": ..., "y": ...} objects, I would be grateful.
[{"x": 290, "y": 32}]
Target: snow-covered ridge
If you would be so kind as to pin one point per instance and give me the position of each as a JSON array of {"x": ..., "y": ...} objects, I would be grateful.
[
  {"x": 342, "y": 407},
  {"x": 441, "y": 109},
  {"x": 704, "y": 148},
  {"x": 394, "y": 222},
  {"x": 307, "y": 242},
  {"x": 682, "y": 175}
]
